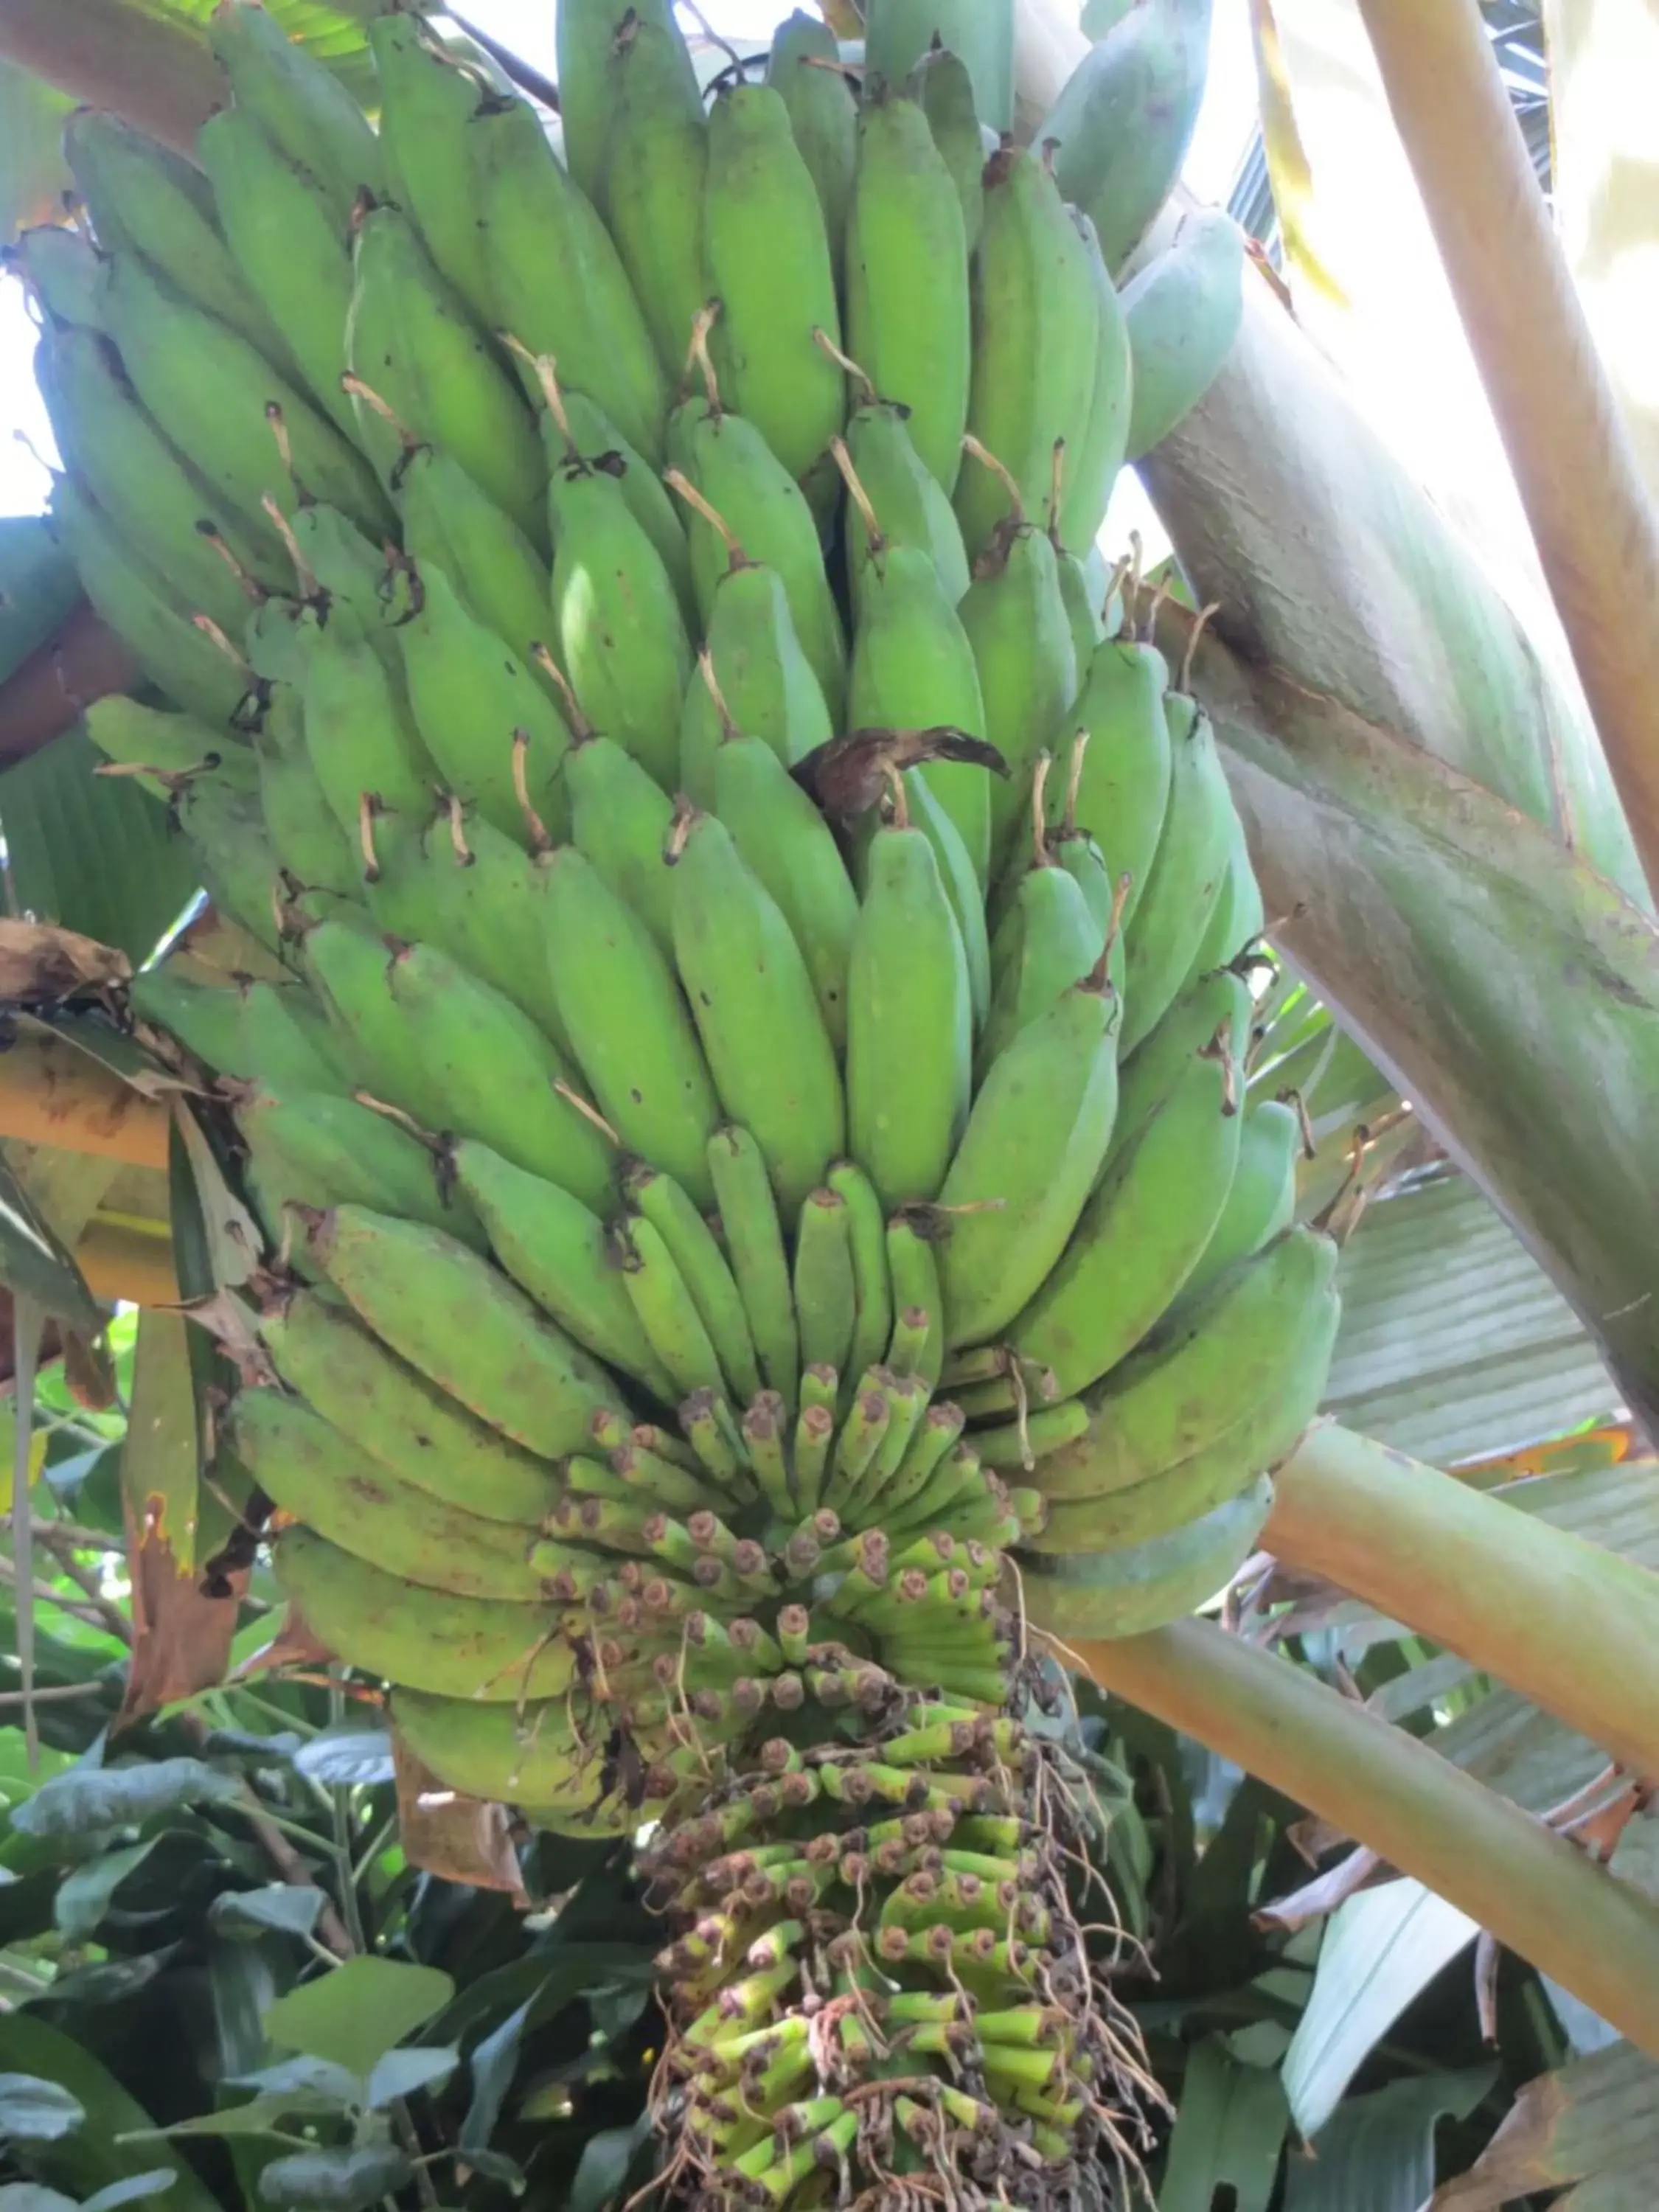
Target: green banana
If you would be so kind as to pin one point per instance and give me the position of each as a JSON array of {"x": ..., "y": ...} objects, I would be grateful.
[
  {"x": 691, "y": 1242},
  {"x": 911, "y": 505},
  {"x": 767, "y": 261},
  {"x": 962, "y": 888},
  {"x": 361, "y": 733},
  {"x": 914, "y": 668},
  {"x": 1123, "y": 121},
  {"x": 1202, "y": 1370},
  {"x": 1037, "y": 339},
  {"x": 213, "y": 394},
  {"x": 144, "y": 198},
  {"x": 152, "y": 495},
  {"x": 1266, "y": 1430},
  {"x": 667, "y": 1313},
  {"x": 1075, "y": 589},
  {"x": 299, "y": 103},
  {"x": 941, "y": 81},
  {"x": 315, "y": 1150},
  {"x": 804, "y": 70},
  {"x": 137, "y": 605},
  {"x": 793, "y": 852},
  {"x": 909, "y": 1021},
  {"x": 308, "y": 1470},
  {"x": 752, "y": 998},
  {"x": 62, "y": 270},
  {"x": 616, "y": 618},
  {"x": 620, "y": 818},
  {"x": 913, "y": 1266},
  {"x": 652, "y": 159},
  {"x": 477, "y": 706},
  {"x": 754, "y": 1245},
  {"x": 240, "y": 876},
  {"x": 765, "y": 510},
  {"x": 1035, "y": 1139},
  {"x": 287, "y": 1045},
  {"x": 1214, "y": 1011},
  {"x": 1184, "y": 881},
  {"x": 449, "y": 523},
  {"x": 502, "y": 1756},
  {"x": 575, "y": 428},
  {"x": 1089, "y": 469},
  {"x": 206, "y": 1018},
  {"x": 555, "y": 279},
  {"x": 286, "y": 242},
  {"x": 654, "y": 175},
  {"x": 866, "y": 1235},
  {"x": 475, "y": 1648},
  {"x": 1146, "y": 1586},
  {"x": 1050, "y": 937},
  {"x": 627, "y": 1024},
  {"x": 1142, "y": 1234},
  {"x": 417, "y": 349},
  {"x": 1182, "y": 311},
  {"x": 464, "y": 887},
  {"x": 309, "y": 840},
  {"x": 137, "y": 737},
  {"x": 1261, "y": 1200},
  {"x": 425, "y": 101},
  {"x": 752, "y": 677},
  {"x": 898, "y": 33},
  {"x": 909, "y": 323},
  {"x": 1239, "y": 917},
  {"x": 392, "y": 1413},
  {"x": 586, "y": 32},
  {"x": 344, "y": 574},
  {"x": 496, "y": 1077},
  {"x": 1015, "y": 618},
  {"x": 465, "y": 1328},
  {"x": 1118, "y": 787},
  {"x": 825, "y": 1288},
  {"x": 555, "y": 1248},
  {"x": 351, "y": 970}
]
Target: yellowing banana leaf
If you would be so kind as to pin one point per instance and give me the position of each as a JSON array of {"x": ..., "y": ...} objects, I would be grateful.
[
  {"x": 1604, "y": 85},
  {"x": 1599, "y": 2116}
]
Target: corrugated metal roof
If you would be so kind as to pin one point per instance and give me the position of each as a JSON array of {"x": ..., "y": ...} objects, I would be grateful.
[{"x": 1454, "y": 1345}]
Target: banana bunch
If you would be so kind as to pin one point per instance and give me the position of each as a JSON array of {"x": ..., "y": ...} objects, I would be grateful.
[{"x": 741, "y": 1062}]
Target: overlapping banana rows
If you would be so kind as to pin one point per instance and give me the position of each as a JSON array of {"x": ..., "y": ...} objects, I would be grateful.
[{"x": 738, "y": 1066}]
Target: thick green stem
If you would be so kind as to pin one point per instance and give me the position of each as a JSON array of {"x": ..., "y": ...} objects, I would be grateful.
[
  {"x": 1538, "y": 1895},
  {"x": 1572, "y": 1626}
]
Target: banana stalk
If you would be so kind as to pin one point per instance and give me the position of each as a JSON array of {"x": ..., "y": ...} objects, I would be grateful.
[
  {"x": 1539, "y": 1894},
  {"x": 1572, "y": 1626}
]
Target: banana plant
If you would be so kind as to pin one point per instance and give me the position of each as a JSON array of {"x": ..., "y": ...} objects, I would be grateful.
[{"x": 1430, "y": 816}]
